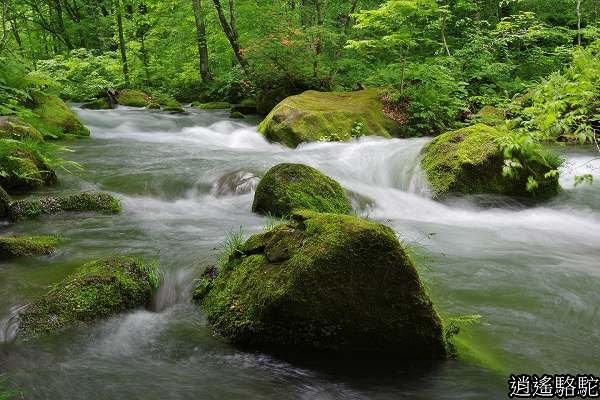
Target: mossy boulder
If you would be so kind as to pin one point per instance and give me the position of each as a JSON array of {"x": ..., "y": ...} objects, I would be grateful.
[
  {"x": 289, "y": 187},
  {"x": 27, "y": 246},
  {"x": 55, "y": 117},
  {"x": 470, "y": 161},
  {"x": 4, "y": 203},
  {"x": 215, "y": 105},
  {"x": 22, "y": 168},
  {"x": 15, "y": 128},
  {"x": 98, "y": 104},
  {"x": 327, "y": 116},
  {"x": 134, "y": 98},
  {"x": 96, "y": 290},
  {"x": 236, "y": 115},
  {"x": 81, "y": 202},
  {"x": 325, "y": 282}
]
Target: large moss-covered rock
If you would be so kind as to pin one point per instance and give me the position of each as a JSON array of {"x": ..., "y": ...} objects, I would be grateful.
[
  {"x": 470, "y": 161},
  {"x": 56, "y": 117},
  {"x": 22, "y": 168},
  {"x": 289, "y": 187},
  {"x": 4, "y": 203},
  {"x": 314, "y": 116},
  {"x": 81, "y": 202},
  {"x": 325, "y": 281},
  {"x": 15, "y": 128},
  {"x": 134, "y": 98},
  {"x": 98, "y": 289},
  {"x": 27, "y": 246}
]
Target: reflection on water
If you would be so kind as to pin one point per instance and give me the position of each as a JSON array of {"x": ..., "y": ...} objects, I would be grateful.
[{"x": 186, "y": 181}]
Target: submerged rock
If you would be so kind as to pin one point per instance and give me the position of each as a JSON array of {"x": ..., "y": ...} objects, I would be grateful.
[
  {"x": 15, "y": 128},
  {"x": 320, "y": 116},
  {"x": 470, "y": 161},
  {"x": 96, "y": 290},
  {"x": 235, "y": 183},
  {"x": 134, "y": 98},
  {"x": 289, "y": 187},
  {"x": 325, "y": 281},
  {"x": 81, "y": 202},
  {"x": 22, "y": 167},
  {"x": 237, "y": 115},
  {"x": 27, "y": 246},
  {"x": 54, "y": 114}
]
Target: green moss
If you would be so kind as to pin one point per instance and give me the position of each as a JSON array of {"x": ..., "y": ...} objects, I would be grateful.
[
  {"x": 237, "y": 115},
  {"x": 134, "y": 98},
  {"x": 174, "y": 110},
  {"x": 55, "y": 117},
  {"x": 21, "y": 166},
  {"x": 289, "y": 187},
  {"x": 318, "y": 116},
  {"x": 4, "y": 202},
  {"x": 490, "y": 115},
  {"x": 217, "y": 105},
  {"x": 470, "y": 161},
  {"x": 98, "y": 289},
  {"x": 98, "y": 104},
  {"x": 81, "y": 202},
  {"x": 15, "y": 128},
  {"x": 325, "y": 281},
  {"x": 27, "y": 246}
]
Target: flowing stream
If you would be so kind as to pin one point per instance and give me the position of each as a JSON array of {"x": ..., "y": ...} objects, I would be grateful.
[{"x": 531, "y": 272}]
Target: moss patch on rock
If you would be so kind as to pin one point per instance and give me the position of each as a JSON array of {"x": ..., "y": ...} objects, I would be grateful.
[
  {"x": 174, "y": 110},
  {"x": 216, "y": 105},
  {"x": 82, "y": 202},
  {"x": 289, "y": 187},
  {"x": 134, "y": 98},
  {"x": 27, "y": 246},
  {"x": 98, "y": 104},
  {"x": 98, "y": 289},
  {"x": 327, "y": 282},
  {"x": 22, "y": 168},
  {"x": 15, "y": 128},
  {"x": 54, "y": 117},
  {"x": 470, "y": 161},
  {"x": 236, "y": 115},
  {"x": 320, "y": 116}
]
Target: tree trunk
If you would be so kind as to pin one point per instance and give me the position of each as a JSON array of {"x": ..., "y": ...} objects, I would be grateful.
[
  {"x": 319, "y": 39},
  {"x": 5, "y": 31},
  {"x": 579, "y": 22},
  {"x": 205, "y": 74},
  {"x": 60, "y": 23},
  {"x": 122, "y": 42},
  {"x": 231, "y": 32}
]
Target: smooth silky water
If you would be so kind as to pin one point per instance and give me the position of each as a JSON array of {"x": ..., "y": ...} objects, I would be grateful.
[{"x": 532, "y": 272}]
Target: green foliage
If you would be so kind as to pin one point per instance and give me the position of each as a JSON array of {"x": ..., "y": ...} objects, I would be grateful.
[
  {"x": 566, "y": 104},
  {"x": 83, "y": 75},
  {"x": 231, "y": 246}
]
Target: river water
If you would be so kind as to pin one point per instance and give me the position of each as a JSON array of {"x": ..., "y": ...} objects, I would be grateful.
[{"x": 531, "y": 272}]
